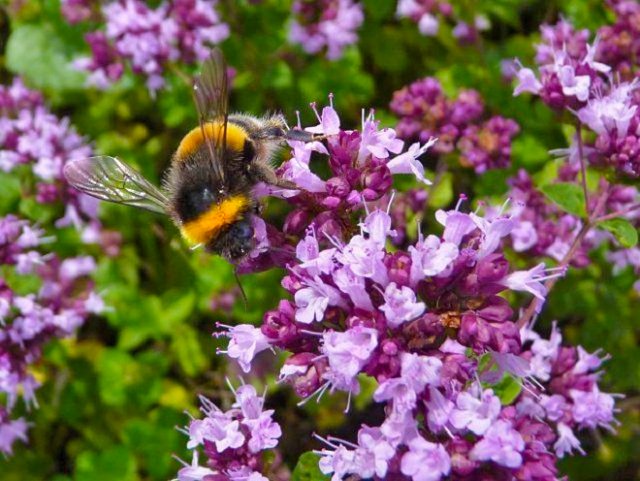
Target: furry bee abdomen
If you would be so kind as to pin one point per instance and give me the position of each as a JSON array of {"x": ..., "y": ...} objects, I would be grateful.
[
  {"x": 236, "y": 137},
  {"x": 209, "y": 224}
]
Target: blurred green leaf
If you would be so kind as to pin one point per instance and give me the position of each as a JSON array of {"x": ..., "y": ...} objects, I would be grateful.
[
  {"x": 623, "y": 231},
  {"x": 188, "y": 351},
  {"x": 442, "y": 193},
  {"x": 113, "y": 463},
  {"x": 508, "y": 389},
  {"x": 153, "y": 438},
  {"x": 115, "y": 369},
  {"x": 569, "y": 197},
  {"x": 39, "y": 55},
  {"x": 307, "y": 469},
  {"x": 529, "y": 151}
]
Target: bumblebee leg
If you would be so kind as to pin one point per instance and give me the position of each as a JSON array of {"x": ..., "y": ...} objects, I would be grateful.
[{"x": 268, "y": 176}]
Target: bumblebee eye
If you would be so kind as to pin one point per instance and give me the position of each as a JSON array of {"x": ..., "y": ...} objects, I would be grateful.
[{"x": 272, "y": 133}]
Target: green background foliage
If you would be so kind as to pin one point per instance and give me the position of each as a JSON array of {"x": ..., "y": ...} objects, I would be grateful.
[{"x": 111, "y": 398}]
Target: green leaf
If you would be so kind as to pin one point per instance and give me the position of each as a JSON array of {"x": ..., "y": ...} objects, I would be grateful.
[
  {"x": 114, "y": 369},
  {"x": 529, "y": 151},
  {"x": 307, "y": 468},
  {"x": 442, "y": 193},
  {"x": 39, "y": 55},
  {"x": 10, "y": 192},
  {"x": 187, "y": 349},
  {"x": 508, "y": 389},
  {"x": 569, "y": 197},
  {"x": 623, "y": 230},
  {"x": 114, "y": 463},
  {"x": 152, "y": 438}
]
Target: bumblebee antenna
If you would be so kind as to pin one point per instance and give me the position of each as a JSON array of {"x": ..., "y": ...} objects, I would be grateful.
[{"x": 244, "y": 294}]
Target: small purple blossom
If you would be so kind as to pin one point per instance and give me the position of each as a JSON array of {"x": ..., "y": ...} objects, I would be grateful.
[
  {"x": 245, "y": 342},
  {"x": 501, "y": 444},
  {"x": 28, "y": 322},
  {"x": 149, "y": 39},
  {"x": 329, "y": 24},
  {"x": 232, "y": 440},
  {"x": 400, "y": 305},
  {"x": 425, "y": 461},
  {"x": 475, "y": 413}
]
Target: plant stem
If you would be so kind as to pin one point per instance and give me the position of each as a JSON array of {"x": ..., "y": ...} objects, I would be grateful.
[
  {"x": 186, "y": 78},
  {"x": 566, "y": 260},
  {"x": 583, "y": 168},
  {"x": 618, "y": 213}
]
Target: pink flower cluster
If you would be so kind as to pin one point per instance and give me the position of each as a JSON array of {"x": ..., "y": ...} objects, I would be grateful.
[
  {"x": 427, "y": 323},
  {"x": 148, "y": 39},
  {"x": 325, "y": 24},
  {"x": 62, "y": 303},
  {"x": 76, "y": 11},
  {"x": 428, "y": 14},
  {"x": 425, "y": 112},
  {"x": 233, "y": 440},
  {"x": 572, "y": 76},
  {"x": 619, "y": 44},
  {"x": 31, "y": 135},
  {"x": 362, "y": 165}
]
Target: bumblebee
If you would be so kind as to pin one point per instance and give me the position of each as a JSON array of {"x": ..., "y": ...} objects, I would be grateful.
[{"x": 207, "y": 189}]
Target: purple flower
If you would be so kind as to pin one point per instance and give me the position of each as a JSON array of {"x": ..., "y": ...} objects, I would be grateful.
[
  {"x": 365, "y": 258},
  {"x": 501, "y": 444},
  {"x": 574, "y": 85},
  {"x": 593, "y": 408},
  {"x": 425, "y": 461},
  {"x": 610, "y": 114},
  {"x": 148, "y": 39},
  {"x": 475, "y": 414},
  {"x": 431, "y": 257},
  {"x": 347, "y": 281},
  {"x": 245, "y": 342},
  {"x": 527, "y": 82},
  {"x": 531, "y": 280},
  {"x": 31, "y": 135},
  {"x": 297, "y": 169},
  {"x": 377, "y": 142},
  {"x": 420, "y": 371},
  {"x": 400, "y": 305},
  {"x": 28, "y": 322},
  {"x": 329, "y": 121},
  {"x": 10, "y": 432},
  {"x": 340, "y": 462},
  {"x": 312, "y": 301},
  {"x": 456, "y": 225},
  {"x": 233, "y": 441},
  {"x": 488, "y": 146},
  {"x": 265, "y": 432},
  {"x": 566, "y": 442},
  {"x": 347, "y": 353},
  {"x": 75, "y": 11},
  {"x": 439, "y": 410},
  {"x": 373, "y": 453},
  {"x": 193, "y": 471},
  {"x": 329, "y": 24},
  {"x": 408, "y": 162}
]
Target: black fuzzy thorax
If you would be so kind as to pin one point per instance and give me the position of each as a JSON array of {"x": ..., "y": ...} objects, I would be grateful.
[{"x": 194, "y": 186}]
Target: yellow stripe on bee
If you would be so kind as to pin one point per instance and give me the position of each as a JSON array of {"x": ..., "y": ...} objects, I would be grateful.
[
  {"x": 208, "y": 225},
  {"x": 191, "y": 142}
]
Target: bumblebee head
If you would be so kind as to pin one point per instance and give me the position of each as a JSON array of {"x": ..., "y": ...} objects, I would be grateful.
[{"x": 234, "y": 243}]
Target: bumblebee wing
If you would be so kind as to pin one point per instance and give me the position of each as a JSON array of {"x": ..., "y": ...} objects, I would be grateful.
[
  {"x": 110, "y": 179},
  {"x": 210, "y": 90}
]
